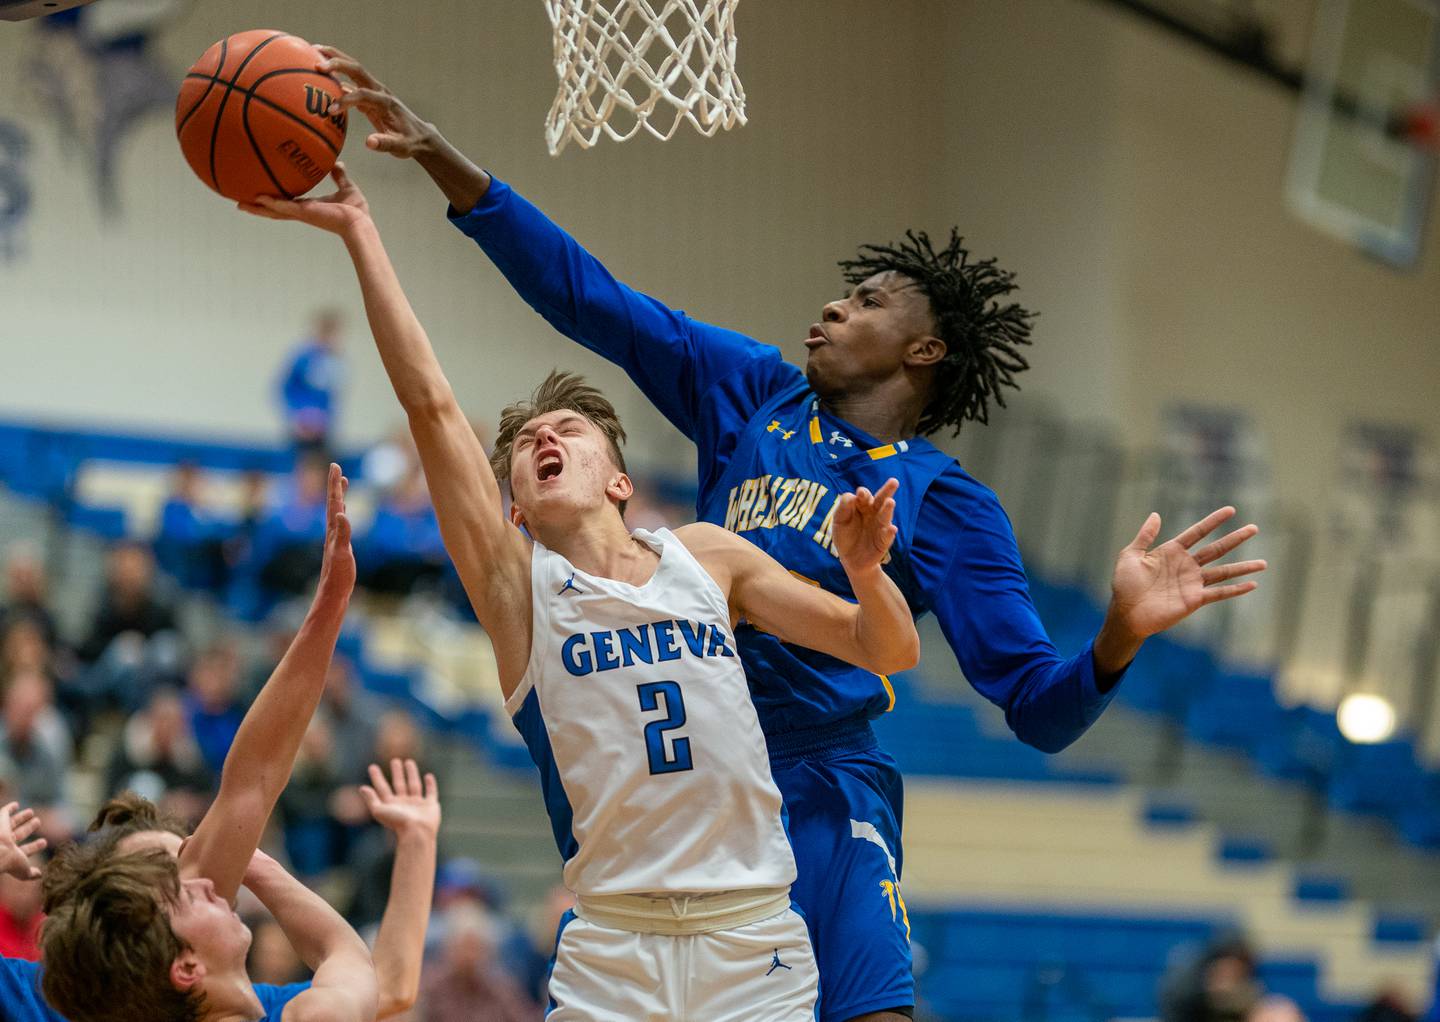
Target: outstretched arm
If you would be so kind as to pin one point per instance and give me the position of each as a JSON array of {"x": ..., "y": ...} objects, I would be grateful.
[
  {"x": 410, "y": 811},
  {"x": 491, "y": 554},
  {"x": 877, "y": 632},
  {"x": 966, "y": 561},
  {"x": 258, "y": 765},
  {"x": 672, "y": 358},
  {"x": 344, "y": 987}
]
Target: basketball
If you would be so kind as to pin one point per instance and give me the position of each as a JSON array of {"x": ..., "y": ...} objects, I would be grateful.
[{"x": 255, "y": 118}]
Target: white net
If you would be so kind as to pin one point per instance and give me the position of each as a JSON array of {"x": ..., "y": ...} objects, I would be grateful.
[{"x": 624, "y": 65}]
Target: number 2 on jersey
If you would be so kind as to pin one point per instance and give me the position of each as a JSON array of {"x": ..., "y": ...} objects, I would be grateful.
[{"x": 679, "y": 756}]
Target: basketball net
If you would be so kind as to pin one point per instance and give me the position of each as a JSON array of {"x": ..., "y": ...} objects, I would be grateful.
[{"x": 624, "y": 65}]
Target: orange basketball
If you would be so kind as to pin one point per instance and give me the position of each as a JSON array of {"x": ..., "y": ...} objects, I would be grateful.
[{"x": 255, "y": 118}]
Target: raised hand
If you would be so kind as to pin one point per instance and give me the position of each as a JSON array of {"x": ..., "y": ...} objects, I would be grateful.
[
  {"x": 1155, "y": 588},
  {"x": 863, "y": 529},
  {"x": 337, "y": 212},
  {"x": 337, "y": 567},
  {"x": 397, "y": 130},
  {"x": 402, "y": 803},
  {"x": 16, "y": 825}
]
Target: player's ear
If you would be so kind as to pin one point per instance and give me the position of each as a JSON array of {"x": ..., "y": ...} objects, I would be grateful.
[
  {"x": 187, "y": 971},
  {"x": 517, "y": 517},
  {"x": 925, "y": 351},
  {"x": 621, "y": 488}
]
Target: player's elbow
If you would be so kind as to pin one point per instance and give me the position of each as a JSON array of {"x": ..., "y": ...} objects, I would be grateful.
[
  {"x": 902, "y": 655},
  {"x": 396, "y": 999},
  {"x": 426, "y": 398}
]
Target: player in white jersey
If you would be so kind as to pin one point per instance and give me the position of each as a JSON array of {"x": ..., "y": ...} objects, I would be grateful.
[{"x": 616, "y": 658}]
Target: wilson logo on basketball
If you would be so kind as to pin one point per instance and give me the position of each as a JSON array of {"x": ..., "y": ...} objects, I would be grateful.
[{"x": 320, "y": 102}]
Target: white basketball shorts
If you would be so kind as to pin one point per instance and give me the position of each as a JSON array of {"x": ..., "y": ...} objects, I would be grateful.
[{"x": 760, "y": 972}]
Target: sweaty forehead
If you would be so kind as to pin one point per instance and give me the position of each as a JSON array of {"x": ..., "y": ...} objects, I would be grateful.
[
  {"x": 892, "y": 284},
  {"x": 554, "y": 420}
]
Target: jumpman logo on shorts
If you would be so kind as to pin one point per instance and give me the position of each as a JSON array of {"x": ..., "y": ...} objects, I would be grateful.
[
  {"x": 776, "y": 963},
  {"x": 570, "y": 584}
]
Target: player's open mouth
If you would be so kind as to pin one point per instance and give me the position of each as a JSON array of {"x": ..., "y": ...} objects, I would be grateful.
[
  {"x": 549, "y": 466},
  {"x": 817, "y": 337}
]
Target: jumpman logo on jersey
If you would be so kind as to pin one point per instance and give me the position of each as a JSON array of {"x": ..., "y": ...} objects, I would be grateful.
[
  {"x": 569, "y": 585},
  {"x": 775, "y": 427},
  {"x": 776, "y": 963}
]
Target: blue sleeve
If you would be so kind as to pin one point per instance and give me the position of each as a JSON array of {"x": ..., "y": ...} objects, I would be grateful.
[
  {"x": 968, "y": 565},
  {"x": 293, "y": 392},
  {"x": 20, "y": 998},
  {"x": 673, "y": 359},
  {"x": 273, "y": 999}
]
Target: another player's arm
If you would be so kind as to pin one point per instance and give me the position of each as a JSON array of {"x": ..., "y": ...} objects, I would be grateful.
[
  {"x": 258, "y": 766},
  {"x": 975, "y": 583},
  {"x": 672, "y": 358},
  {"x": 344, "y": 986},
  {"x": 491, "y": 555},
  {"x": 411, "y": 811},
  {"x": 876, "y": 633}
]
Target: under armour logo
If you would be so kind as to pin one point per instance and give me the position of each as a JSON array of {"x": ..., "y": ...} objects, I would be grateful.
[
  {"x": 569, "y": 585},
  {"x": 775, "y": 427},
  {"x": 776, "y": 963},
  {"x": 836, "y": 437}
]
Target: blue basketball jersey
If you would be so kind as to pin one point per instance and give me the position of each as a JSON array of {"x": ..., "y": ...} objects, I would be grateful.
[{"x": 771, "y": 465}]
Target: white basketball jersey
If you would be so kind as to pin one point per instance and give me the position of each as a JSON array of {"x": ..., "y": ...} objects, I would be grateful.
[{"x": 635, "y": 709}]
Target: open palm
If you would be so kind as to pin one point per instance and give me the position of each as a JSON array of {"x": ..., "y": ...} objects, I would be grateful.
[
  {"x": 337, "y": 212},
  {"x": 403, "y": 802},
  {"x": 1156, "y": 587}
]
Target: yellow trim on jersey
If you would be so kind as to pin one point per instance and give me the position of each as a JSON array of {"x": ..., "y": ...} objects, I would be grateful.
[
  {"x": 876, "y": 453},
  {"x": 889, "y": 690},
  {"x": 815, "y": 437},
  {"x": 806, "y": 579}
]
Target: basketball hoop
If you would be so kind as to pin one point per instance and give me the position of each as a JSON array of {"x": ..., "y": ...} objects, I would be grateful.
[{"x": 624, "y": 65}]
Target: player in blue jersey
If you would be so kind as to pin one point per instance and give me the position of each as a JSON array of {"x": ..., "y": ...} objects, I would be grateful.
[{"x": 919, "y": 345}]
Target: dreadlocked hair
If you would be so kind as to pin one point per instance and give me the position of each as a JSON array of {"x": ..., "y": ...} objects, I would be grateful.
[{"x": 982, "y": 336}]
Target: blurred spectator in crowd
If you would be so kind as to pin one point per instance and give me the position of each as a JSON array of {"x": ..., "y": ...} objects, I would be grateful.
[
  {"x": 1276, "y": 1009},
  {"x": 51, "y": 729},
  {"x": 353, "y": 716},
  {"x": 1220, "y": 986},
  {"x": 289, "y": 539},
  {"x": 466, "y": 981},
  {"x": 310, "y": 385},
  {"x": 132, "y": 643},
  {"x": 1389, "y": 1005},
  {"x": 129, "y": 604},
  {"x": 190, "y": 542},
  {"x": 213, "y": 704},
  {"x": 527, "y": 951},
  {"x": 25, "y": 596},
  {"x": 158, "y": 757},
  {"x": 402, "y": 549},
  {"x": 36, "y": 751},
  {"x": 20, "y": 917},
  {"x": 272, "y": 959},
  {"x": 315, "y": 840},
  {"x": 23, "y": 647}
]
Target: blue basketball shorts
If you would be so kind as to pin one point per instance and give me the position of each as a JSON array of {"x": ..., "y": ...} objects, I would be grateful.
[{"x": 844, "y": 807}]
